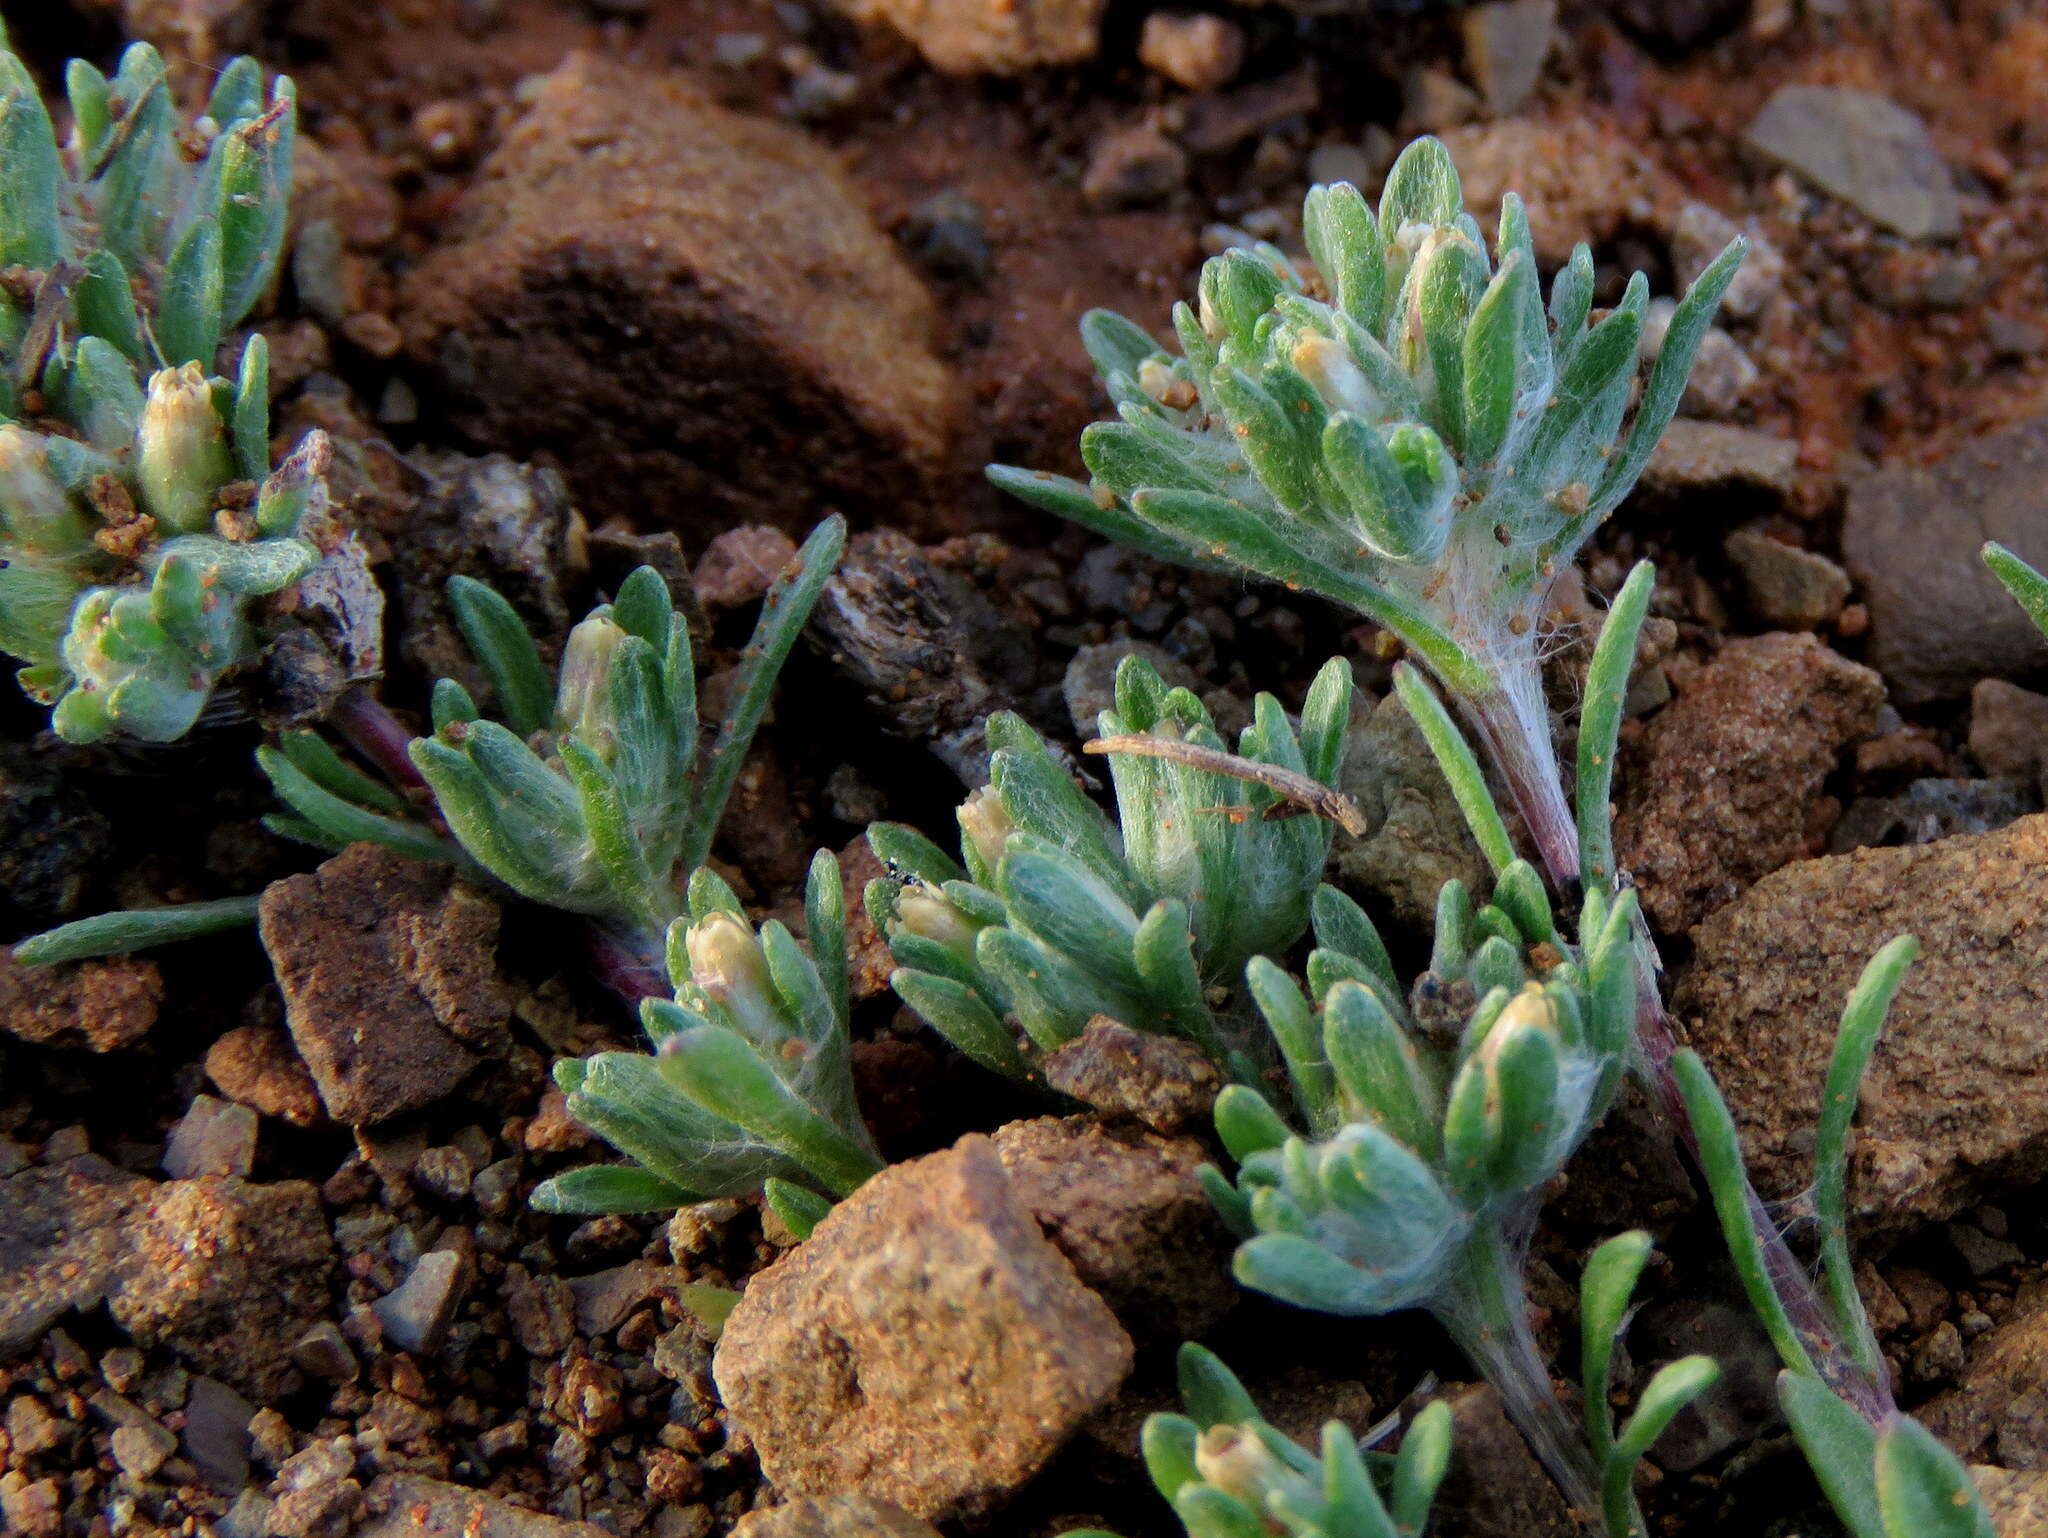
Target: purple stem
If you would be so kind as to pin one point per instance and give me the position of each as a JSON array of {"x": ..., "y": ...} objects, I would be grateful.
[
  {"x": 626, "y": 969},
  {"x": 379, "y": 736}
]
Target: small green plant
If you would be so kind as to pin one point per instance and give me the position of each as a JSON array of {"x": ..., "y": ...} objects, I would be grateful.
[
  {"x": 1435, "y": 1115},
  {"x": 140, "y": 520},
  {"x": 1884, "y": 1473},
  {"x": 597, "y": 794},
  {"x": 1229, "y": 1473},
  {"x": 1060, "y": 913},
  {"x": 750, "y": 1081},
  {"x": 1405, "y": 430}
]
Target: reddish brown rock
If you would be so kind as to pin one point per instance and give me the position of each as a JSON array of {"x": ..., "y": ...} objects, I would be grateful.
[
  {"x": 681, "y": 305},
  {"x": 1956, "y": 1098},
  {"x": 1999, "y": 1406},
  {"x": 389, "y": 980},
  {"x": 1165, "y": 1083},
  {"x": 741, "y": 564},
  {"x": 254, "y": 1065},
  {"x": 62, "y": 1238},
  {"x": 1584, "y": 178},
  {"x": 410, "y": 1506},
  {"x": 838, "y": 1516},
  {"x": 1495, "y": 1485},
  {"x": 1125, "y": 1206},
  {"x": 989, "y": 37},
  {"x": 229, "y": 1275},
  {"x": 2008, "y": 728},
  {"x": 1726, "y": 785},
  {"x": 927, "y": 1346},
  {"x": 98, "y": 1005}
]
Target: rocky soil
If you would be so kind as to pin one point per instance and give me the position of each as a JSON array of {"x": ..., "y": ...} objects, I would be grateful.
[{"x": 578, "y": 284}]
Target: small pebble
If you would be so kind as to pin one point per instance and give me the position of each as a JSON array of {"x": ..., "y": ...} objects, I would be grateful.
[{"x": 1201, "y": 52}]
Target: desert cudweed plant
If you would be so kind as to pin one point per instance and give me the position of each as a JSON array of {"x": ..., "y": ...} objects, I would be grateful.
[
  {"x": 750, "y": 1081},
  {"x": 1230, "y": 1474},
  {"x": 1060, "y": 913},
  {"x": 1406, "y": 430},
  {"x": 1434, "y": 1116},
  {"x": 140, "y": 522}
]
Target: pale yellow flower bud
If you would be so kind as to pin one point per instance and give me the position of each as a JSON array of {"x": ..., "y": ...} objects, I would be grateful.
[{"x": 183, "y": 451}]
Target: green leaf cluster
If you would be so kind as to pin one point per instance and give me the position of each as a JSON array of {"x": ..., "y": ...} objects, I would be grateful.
[
  {"x": 1229, "y": 1473},
  {"x": 1420, "y": 1148},
  {"x": 1407, "y": 426},
  {"x": 1057, "y": 912},
  {"x": 750, "y": 1082},
  {"x": 596, "y": 794},
  {"x": 140, "y": 523}
]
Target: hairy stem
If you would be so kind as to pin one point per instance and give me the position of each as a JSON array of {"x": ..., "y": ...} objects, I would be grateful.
[{"x": 1489, "y": 1318}]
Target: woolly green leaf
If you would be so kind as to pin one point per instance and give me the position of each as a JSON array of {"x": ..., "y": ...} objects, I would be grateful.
[
  {"x": 1114, "y": 344},
  {"x": 498, "y": 639},
  {"x": 30, "y": 235},
  {"x": 1247, "y": 1122},
  {"x": 785, "y": 610},
  {"x": 1344, "y": 240},
  {"x": 189, "y": 308},
  {"x": 1600, "y": 722},
  {"x": 725, "y": 1075},
  {"x": 601, "y": 1189},
  {"x": 342, "y": 818},
  {"x": 1460, "y": 767},
  {"x": 1862, "y": 1019},
  {"x": 959, "y": 1014},
  {"x": 2027, "y": 586},
  {"x": 1422, "y": 188},
  {"x": 1841, "y": 1449},
  {"x": 1923, "y": 1490},
  {"x": 801, "y": 1211},
  {"x": 117, "y": 934},
  {"x": 1673, "y": 1388},
  {"x": 1666, "y": 384}
]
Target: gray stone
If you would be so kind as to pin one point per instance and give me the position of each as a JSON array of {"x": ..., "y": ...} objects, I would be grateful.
[
  {"x": 604, "y": 1299},
  {"x": 2008, "y": 728},
  {"x": 62, "y": 1241},
  {"x": 316, "y": 1493},
  {"x": 1787, "y": 588},
  {"x": 1132, "y": 167},
  {"x": 1721, "y": 371},
  {"x": 415, "y": 1315},
  {"x": 1700, "y": 458},
  {"x": 324, "y": 1352},
  {"x": 1506, "y": 43},
  {"x": 1866, "y": 150},
  {"x": 1433, "y": 100},
  {"x": 214, "y": 1137},
  {"x": 1700, "y": 234},
  {"x": 410, "y": 1506},
  {"x": 1931, "y": 810},
  {"x": 1418, "y": 838},
  {"x": 1939, "y": 620},
  {"x": 216, "y": 1434},
  {"x": 1089, "y": 686}
]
